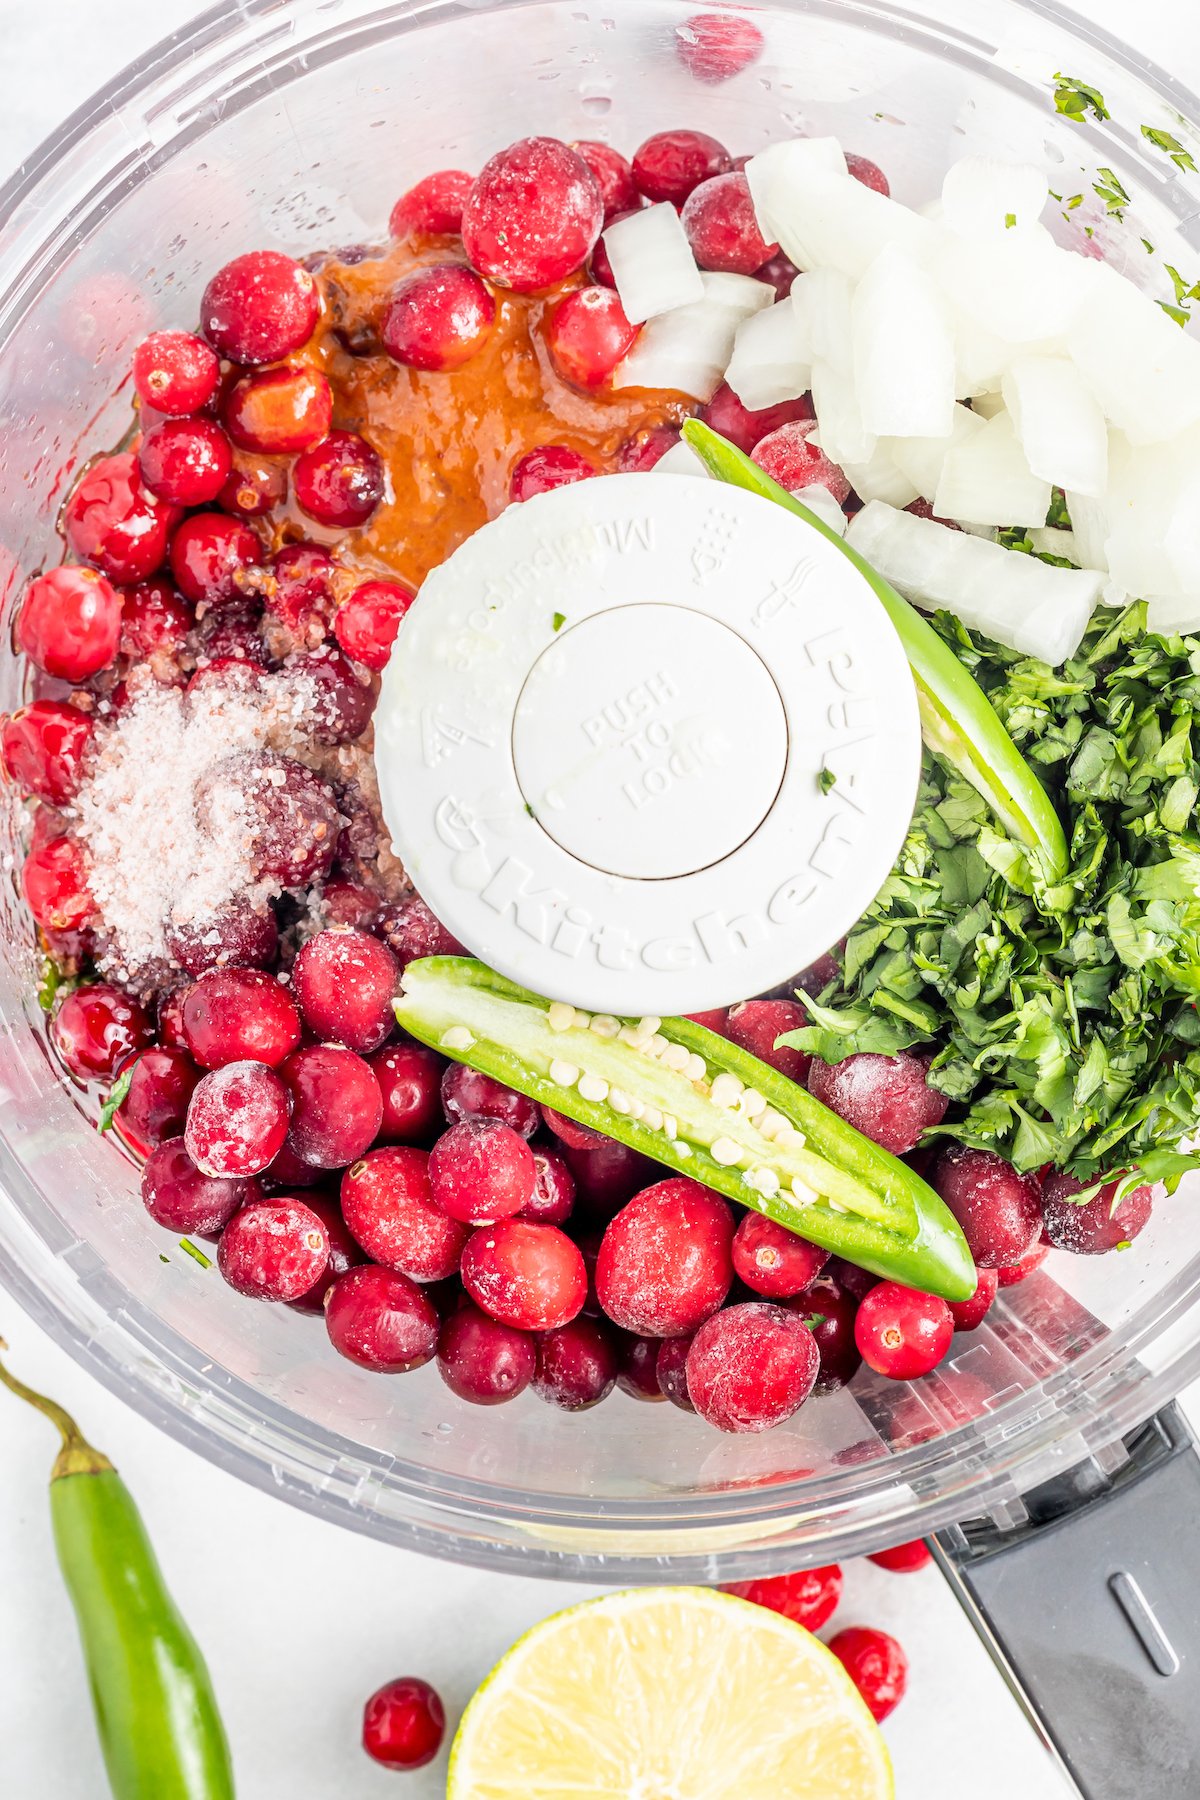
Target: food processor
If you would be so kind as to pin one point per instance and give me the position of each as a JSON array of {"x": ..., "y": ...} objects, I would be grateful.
[{"x": 1045, "y": 1452}]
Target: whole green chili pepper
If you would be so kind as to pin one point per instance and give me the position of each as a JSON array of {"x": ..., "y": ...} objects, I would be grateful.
[
  {"x": 705, "y": 1108},
  {"x": 156, "y": 1714},
  {"x": 958, "y": 720}
]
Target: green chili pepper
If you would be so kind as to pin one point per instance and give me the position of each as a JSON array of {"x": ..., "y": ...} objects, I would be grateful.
[
  {"x": 957, "y": 719},
  {"x": 703, "y": 1107},
  {"x": 157, "y": 1717}
]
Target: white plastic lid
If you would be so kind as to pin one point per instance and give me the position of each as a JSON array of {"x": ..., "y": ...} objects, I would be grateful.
[{"x": 648, "y": 745}]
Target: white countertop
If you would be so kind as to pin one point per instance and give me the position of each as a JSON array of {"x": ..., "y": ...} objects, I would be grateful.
[{"x": 301, "y": 1621}]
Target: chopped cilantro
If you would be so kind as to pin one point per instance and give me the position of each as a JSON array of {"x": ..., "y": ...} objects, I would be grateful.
[
  {"x": 1162, "y": 140},
  {"x": 189, "y": 1249},
  {"x": 1074, "y": 201},
  {"x": 826, "y": 780},
  {"x": 1148, "y": 247},
  {"x": 1075, "y": 99},
  {"x": 1058, "y": 514},
  {"x": 116, "y": 1095},
  {"x": 1175, "y": 312},
  {"x": 1010, "y": 220},
  {"x": 163, "y": 1258},
  {"x": 1112, "y": 191},
  {"x": 49, "y": 982},
  {"x": 558, "y": 621},
  {"x": 812, "y": 1320},
  {"x": 1183, "y": 291}
]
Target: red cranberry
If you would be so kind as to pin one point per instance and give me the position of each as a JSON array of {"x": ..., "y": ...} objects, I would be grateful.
[
  {"x": 239, "y": 1015},
  {"x": 43, "y": 746},
  {"x": 97, "y": 1028},
  {"x": 850, "y": 1278},
  {"x": 411, "y": 931},
  {"x": 1095, "y": 1226},
  {"x": 665, "y": 1265},
  {"x": 553, "y": 1199},
  {"x": 887, "y": 1098},
  {"x": 671, "y": 163},
  {"x": 161, "y": 1083},
  {"x": 722, "y": 226},
  {"x": 170, "y": 1020},
  {"x": 274, "y": 1249},
  {"x": 113, "y": 521},
  {"x": 715, "y": 46},
  {"x": 179, "y": 1197},
  {"x": 967, "y": 1314},
  {"x": 286, "y": 1172},
  {"x": 829, "y": 1312},
  {"x": 153, "y": 618},
  {"x": 232, "y": 633},
  {"x": 185, "y": 461},
  {"x": 346, "y": 902},
  {"x": 259, "y": 307},
  {"x": 340, "y": 481},
  {"x": 751, "y": 1366},
  {"x": 293, "y": 820},
  {"x": 548, "y": 467},
  {"x": 366, "y": 623},
  {"x": 645, "y": 449},
  {"x": 903, "y": 1559},
  {"x": 587, "y": 335},
  {"x": 869, "y": 173},
  {"x": 726, "y": 414},
  {"x": 253, "y": 487},
  {"x": 574, "y": 1135},
  {"x": 780, "y": 272},
  {"x": 409, "y": 1078},
  {"x": 481, "y": 1170},
  {"x": 902, "y": 1333},
  {"x": 237, "y": 1119},
  {"x": 810, "y": 1596},
  {"x": 239, "y": 932},
  {"x": 999, "y": 1209},
  {"x": 613, "y": 176},
  {"x": 469, "y": 1094},
  {"x": 345, "y": 983},
  {"x": 1020, "y": 1271},
  {"x": 637, "y": 1373},
  {"x": 279, "y": 411},
  {"x": 55, "y": 884},
  {"x": 438, "y": 317},
  {"x": 532, "y": 216},
  {"x": 875, "y": 1664},
  {"x": 298, "y": 591},
  {"x": 208, "y": 553},
  {"x": 755, "y": 1025},
  {"x": 483, "y": 1361},
  {"x": 670, "y": 1369},
  {"x": 70, "y": 622},
  {"x": 576, "y": 1365},
  {"x": 528, "y": 1275},
  {"x": 344, "y": 702},
  {"x": 344, "y": 1253},
  {"x": 175, "y": 372},
  {"x": 388, "y": 1206},
  {"x": 608, "y": 1175},
  {"x": 381, "y": 1320},
  {"x": 772, "y": 1260},
  {"x": 432, "y": 207},
  {"x": 403, "y": 1724},
  {"x": 789, "y": 456},
  {"x": 336, "y": 1105},
  {"x": 600, "y": 264}
]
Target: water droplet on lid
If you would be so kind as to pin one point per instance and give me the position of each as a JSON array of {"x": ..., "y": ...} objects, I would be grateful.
[{"x": 595, "y": 100}]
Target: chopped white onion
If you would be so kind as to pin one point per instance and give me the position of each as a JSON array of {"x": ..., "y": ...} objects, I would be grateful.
[
  {"x": 1153, "y": 546},
  {"x": 818, "y": 499},
  {"x": 773, "y": 173},
  {"x": 1089, "y": 528},
  {"x": 842, "y": 434},
  {"x": 987, "y": 480},
  {"x": 1059, "y": 423},
  {"x": 923, "y": 458},
  {"x": 981, "y": 194},
  {"x": 1143, "y": 370},
  {"x": 880, "y": 478},
  {"x": 1018, "y": 285},
  {"x": 903, "y": 350},
  {"x": 1168, "y": 614},
  {"x": 821, "y": 302},
  {"x": 767, "y": 366},
  {"x": 833, "y": 221},
  {"x": 680, "y": 459},
  {"x": 652, "y": 263},
  {"x": 1029, "y": 605},
  {"x": 689, "y": 348}
]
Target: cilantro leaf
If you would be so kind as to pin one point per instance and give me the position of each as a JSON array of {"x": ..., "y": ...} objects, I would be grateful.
[
  {"x": 1075, "y": 99},
  {"x": 116, "y": 1094},
  {"x": 1162, "y": 140}
]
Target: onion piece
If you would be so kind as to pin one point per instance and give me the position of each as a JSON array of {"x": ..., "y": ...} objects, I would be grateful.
[
  {"x": 1020, "y": 286},
  {"x": 1059, "y": 423},
  {"x": 819, "y": 500},
  {"x": 842, "y": 434},
  {"x": 923, "y": 459},
  {"x": 981, "y": 194},
  {"x": 1143, "y": 370},
  {"x": 833, "y": 221},
  {"x": 903, "y": 350},
  {"x": 1089, "y": 528},
  {"x": 688, "y": 349},
  {"x": 1169, "y": 615},
  {"x": 879, "y": 478},
  {"x": 987, "y": 480},
  {"x": 767, "y": 365},
  {"x": 821, "y": 301},
  {"x": 1153, "y": 544},
  {"x": 775, "y": 171},
  {"x": 652, "y": 263},
  {"x": 1031, "y": 606}
]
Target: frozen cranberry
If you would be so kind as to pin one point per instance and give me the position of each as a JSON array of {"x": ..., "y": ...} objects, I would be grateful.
[
  {"x": 239, "y": 1015},
  {"x": 613, "y": 176},
  {"x": 259, "y": 307},
  {"x": 286, "y": 1172},
  {"x": 524, "y": 1274},
  {"x": 70, "y": 622},
  {"x": 850, "y": 1278},
  {"x": 902, "y": 1333},
  {"x": 751, "y": 1366},
  {"x": 185, "y": 461},
  {"x": 671, "y": 163},
  {"x": 345, "y": 983},
  {"x": 553, "y": 1199},
  {"x": 869, "y": 173},
  {"x": 345, "y": 902},
  {"x": 665, "y": 1265},
  {"x": 608, "y": 1175},
  {"x": 789, "y": 456},
  {"x": 1097, "y": 1225},
  {"x": 43, "y": 746},
  {"x": 169, "y": 1011},
  {"x": 637, "y": 1371},
  {"x": 344, "y": 700},
  {"x": 999, "y": 1209},
  {"x": 115, "y": 522},
  {"x": 179, "y": 1197},
  {"x": 645, "y": 449},
  {"x": 253, "y": 486},
  {"x": 97, "y": 1028},
  {"x": 781, "y": 272},
  {"x": 411, "y": 931},
  {"x": 153, "y": 618},
  {"x": 829, "y": 1312},
  {"x": 875, "y": 1664},
  {"x": 1020, "y": 1271},
  {"x": 469, "y": 1094},
  {"x": 388, "y": 1206},
  {"x": 755, "y": 1025},
  {"x": 967, "y": 1314},
  {"x": 292, "y": 820},
  {"x": 670, "y": 1369},
  {"x": 232, "y": 632},
  {"x": 208, "y": 553},
  {"x": 810, "y": 1596},
  {"x": 175, "y": 372},
  {"x": 340, "y": 481},
  {"x": 772, "y": 1260},
  {"x": 575, "y": 1136},
  {"x": 344, "y": 1253},
  {"x": 432, "y": 207},
  {"x": 548, "y": 467},
  {"x": 532, "y": 216},
  {"x": 55, "y": 884},
  {"x": 438, "y": 317},
  {"x": 279, "y": 411},
  {"x": 336, "y": 1105},
  {"x": 726, "y": 414},
  {"x": 161, "y": 1082},
  {"x": 381, "y": 1320},
  {"x": 481, "y": 1170},
  {"x": 298, "y": 590},
  {"x": 403, "y": 1724},
  {"x": 366, "y": 623},
  {"x": 239, "y": 932},
  {"x": 273, "y": 1249},
  {"x": 409, "y": 1078},
  {"x": 903, "y": 1559},
  {"x": 722, "y": 226},
  {"x": 237, "y": 1119},
  {"x": 887, "y": 1098},
  {"x": 587, "y": 335},
  {"x": 576, "y": 1365},
  {"x": 483, "y": 1361},
  {"x": 714, "y": 46}
]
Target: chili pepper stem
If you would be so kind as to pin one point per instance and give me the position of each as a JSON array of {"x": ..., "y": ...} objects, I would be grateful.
[{"x": 77, "y": 1456}]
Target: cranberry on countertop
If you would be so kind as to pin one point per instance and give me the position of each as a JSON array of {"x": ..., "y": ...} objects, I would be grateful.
[
  {"x": 875, "y": 1664},
  {"x": 404, "y": 1723},
  {"x": 809, "y": 1597},
  {"x": 903, "y": 1559}
]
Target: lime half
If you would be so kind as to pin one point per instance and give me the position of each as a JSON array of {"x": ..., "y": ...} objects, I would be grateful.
[{"x": 668, "y": 1694}]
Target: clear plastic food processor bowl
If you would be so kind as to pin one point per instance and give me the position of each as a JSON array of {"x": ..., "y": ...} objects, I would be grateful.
[{"x": 296, "y": 125}]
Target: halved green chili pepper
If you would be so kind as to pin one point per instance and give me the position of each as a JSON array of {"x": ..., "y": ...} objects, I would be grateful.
[
  {"x": 958, "y": 720},
  {"x": 705, "y": 1108},
  {"x": 156, "y": 1714}
]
